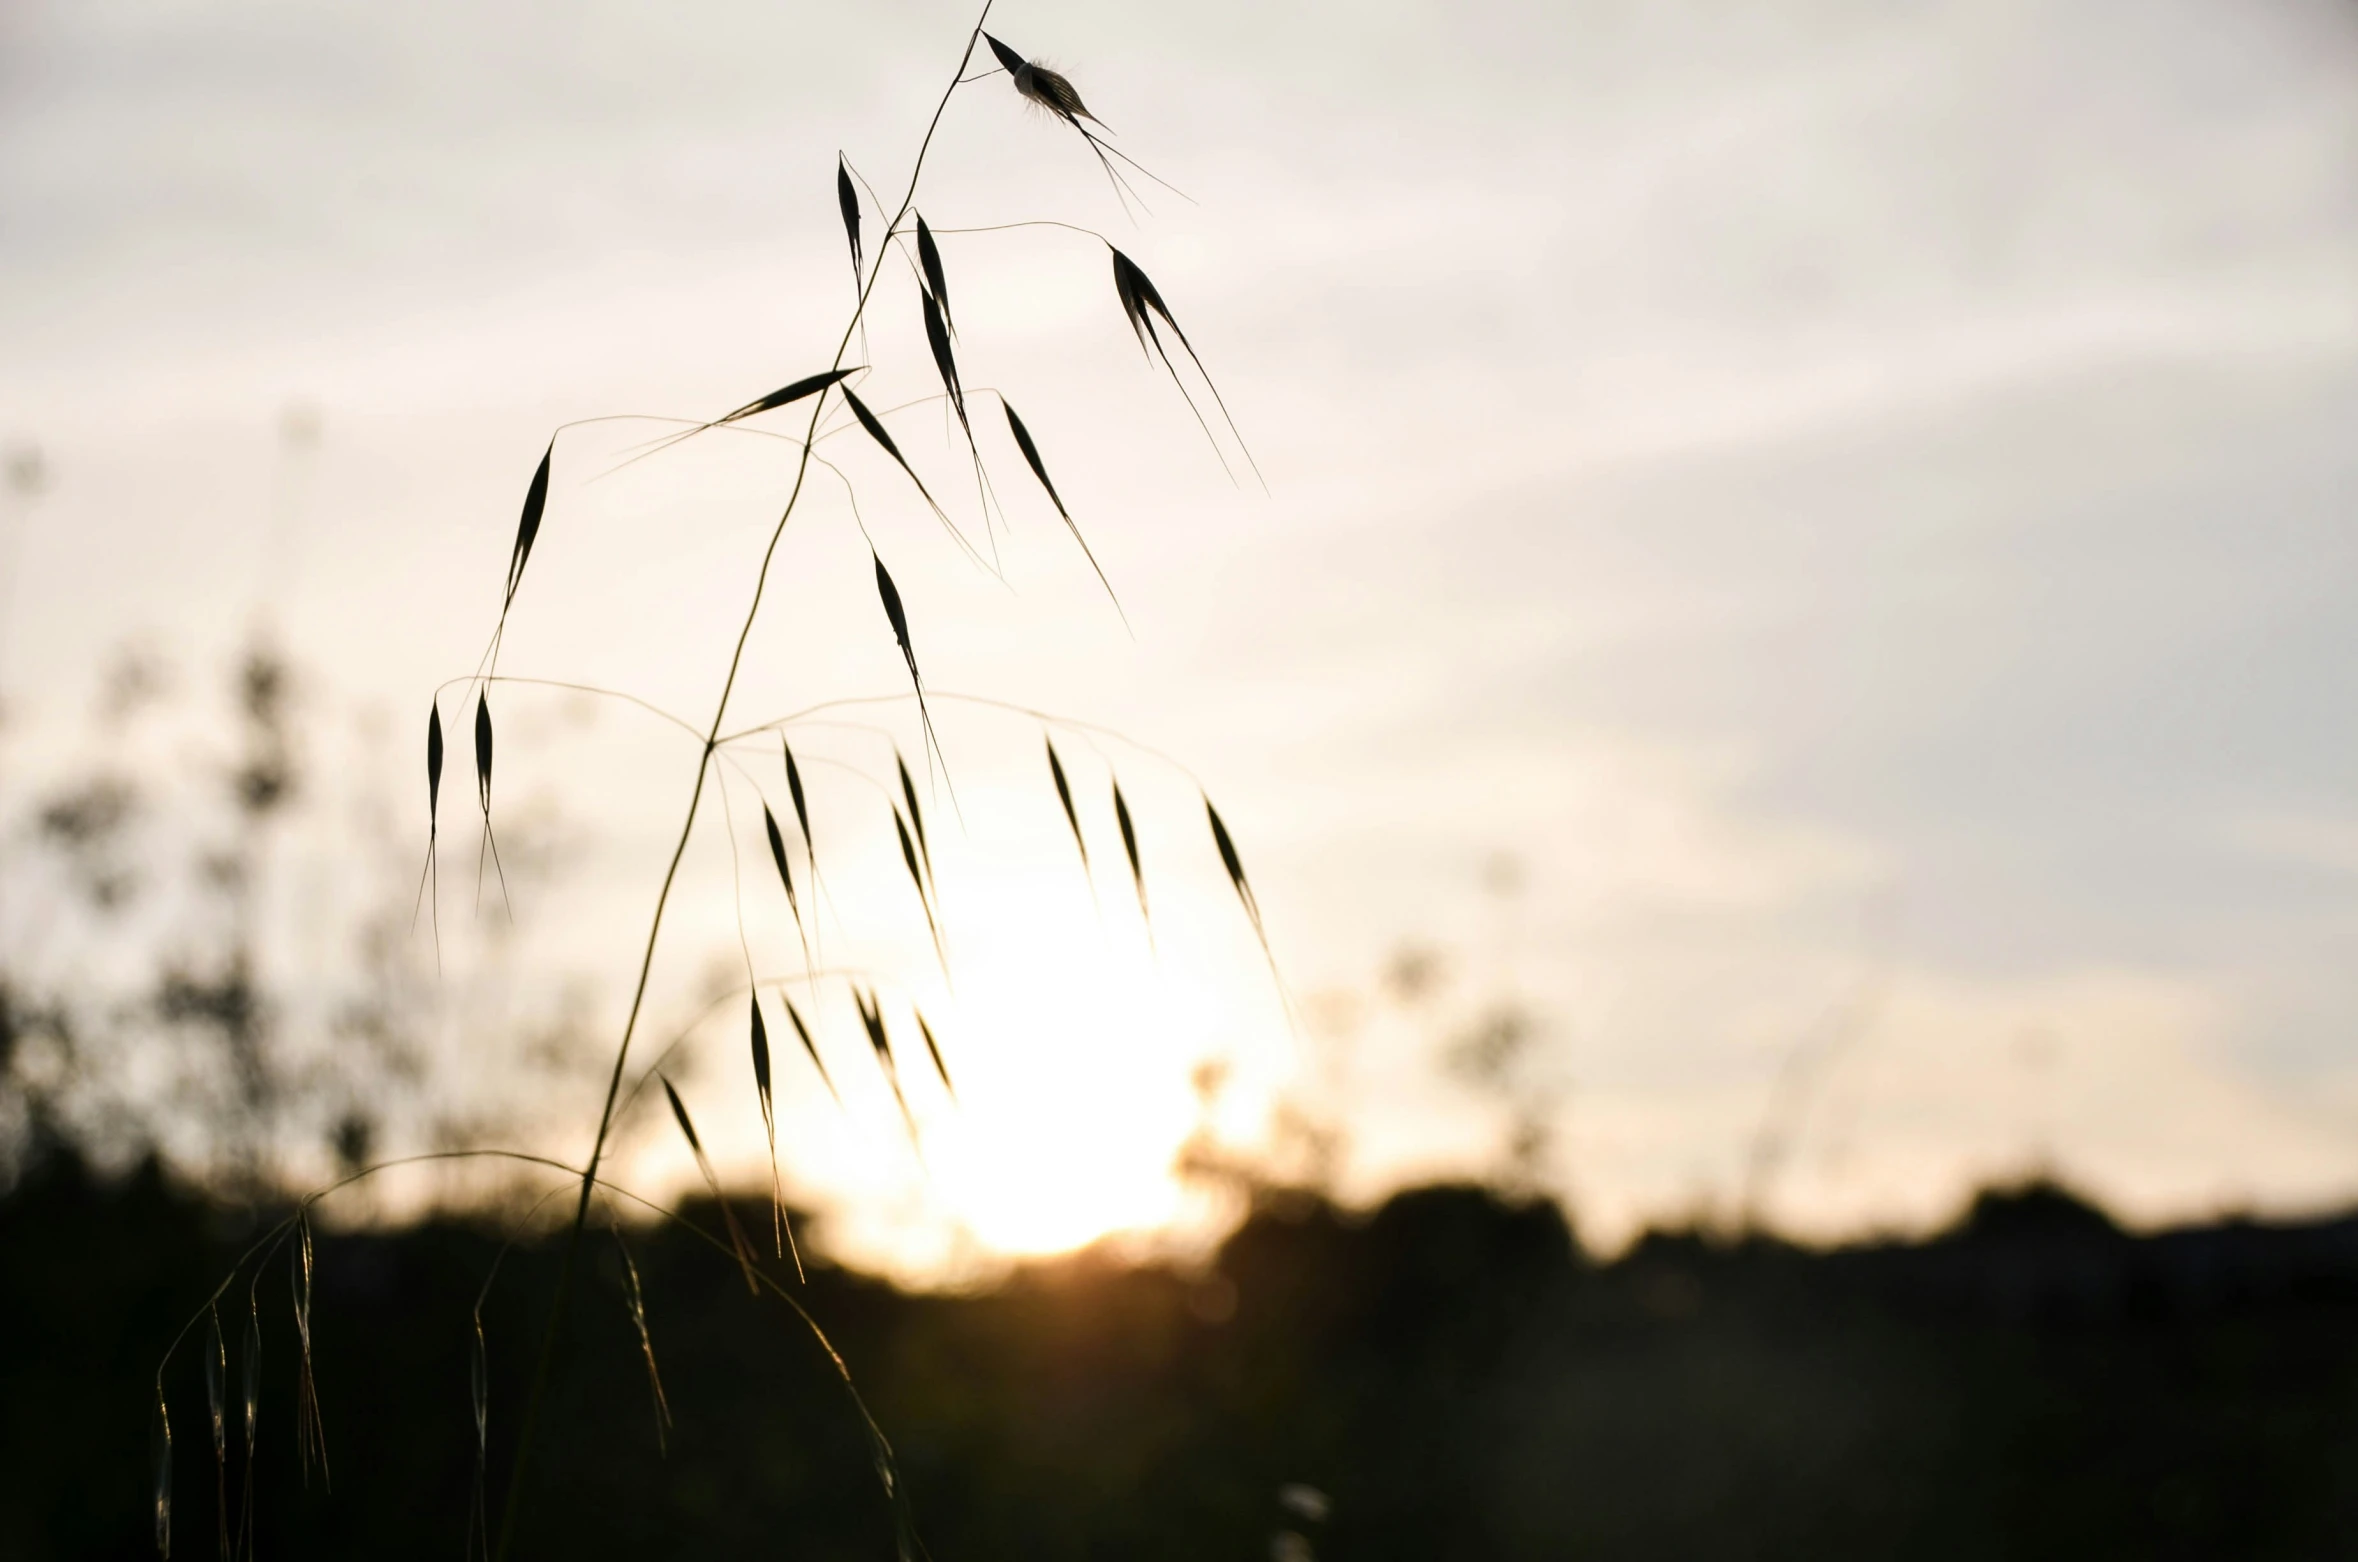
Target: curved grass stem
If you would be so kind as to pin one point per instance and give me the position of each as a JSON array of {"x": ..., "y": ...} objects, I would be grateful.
[{"x": 528, "y": 1425}]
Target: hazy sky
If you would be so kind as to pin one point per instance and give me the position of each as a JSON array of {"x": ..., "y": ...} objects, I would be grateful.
[{"x": 1857, "y": 499}]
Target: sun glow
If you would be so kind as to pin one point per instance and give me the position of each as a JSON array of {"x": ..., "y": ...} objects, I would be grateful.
[{"x": 1072, "y": 1040}]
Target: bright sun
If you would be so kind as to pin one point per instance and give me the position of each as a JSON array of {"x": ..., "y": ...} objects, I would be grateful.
[{"x": 1071, "y": 1041}]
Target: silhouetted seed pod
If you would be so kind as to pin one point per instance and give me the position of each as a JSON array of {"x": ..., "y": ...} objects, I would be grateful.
[
  {"x": 536, "y": 499},
  {"x": 937, "y": 337},
  {"x": 1031, "y": 457},
  {"x": 929, "y": 260},
  {"x": 934, "y": 1051},
  {"x": 744, "y": 1250},
  {"x": 761, "y": 1066},
  {"x": 802, "y": 808},
  {"x": 908, "y": 853},
  {"x": 809, "y": 1046},
  {"x": 1009, "y": 60},
  {"x": 483, "y": 749},
  {"x": 1141, "y": 302},
  {"x": 433, "y": 768},
  {"x": 916, "y": 814},
  {"x": 890, "y": 595},
  {"x": 1234, "y": 865},
  {"x": 1064, "y": 796},
  {"x": 1039, "y": 84},
  {"x": 876, "y": 431},
  {"x": 1130, "y": 844},
  {"x": 787, "y": 393},
  {"x": 780, "y": 1236},
  {"x": 847, "y": 200},
  {"x": 872, "y": 1018},
  {"x": 769, "y": 824},
  {"x": 916, "y": 878}
]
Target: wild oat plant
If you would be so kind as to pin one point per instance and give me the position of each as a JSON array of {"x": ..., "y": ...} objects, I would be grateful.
[{"x": 893, "y": 254}]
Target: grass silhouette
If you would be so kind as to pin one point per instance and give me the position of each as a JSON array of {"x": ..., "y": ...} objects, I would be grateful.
[{"x": 872, "y": 238}]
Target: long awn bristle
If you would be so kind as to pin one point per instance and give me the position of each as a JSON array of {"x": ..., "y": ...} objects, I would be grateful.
[
  {"x": 160, "y": 1462},
  {"x": 216, "y": 1372},
  {"x": 635, "y": 1298},
  {"x": 310, "y": 1428}
]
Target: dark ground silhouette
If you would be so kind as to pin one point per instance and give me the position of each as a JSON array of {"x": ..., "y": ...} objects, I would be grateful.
[{"x": 1450, "y": 1370}]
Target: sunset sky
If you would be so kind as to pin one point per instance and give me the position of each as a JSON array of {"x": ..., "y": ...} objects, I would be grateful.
[{"x": 1855, "y": 502}]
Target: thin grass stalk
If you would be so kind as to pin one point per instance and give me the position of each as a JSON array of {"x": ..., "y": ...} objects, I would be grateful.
[{"x": 528, "y": 1425}]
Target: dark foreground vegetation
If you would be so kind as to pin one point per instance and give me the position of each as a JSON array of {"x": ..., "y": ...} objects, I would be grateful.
[{"x": 1450, "y": 1372}]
